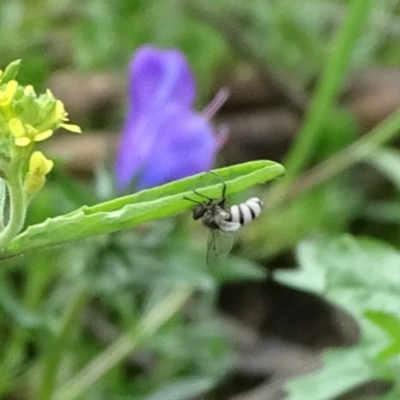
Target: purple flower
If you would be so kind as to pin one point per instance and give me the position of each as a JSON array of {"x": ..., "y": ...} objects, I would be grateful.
[{"x": 163, "y": 138}]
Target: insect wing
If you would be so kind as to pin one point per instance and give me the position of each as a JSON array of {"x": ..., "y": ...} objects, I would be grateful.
[{"x": 218, "y": 246}]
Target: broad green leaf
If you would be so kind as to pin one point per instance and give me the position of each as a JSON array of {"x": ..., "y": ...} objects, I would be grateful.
[
  {"x": 148, "y": 205},
  {"x": 390, "y": 324},
  {"x": 387, "y": 322},
  {"x": 357, "y": 274},
  {"x": 343, "y": 370}
]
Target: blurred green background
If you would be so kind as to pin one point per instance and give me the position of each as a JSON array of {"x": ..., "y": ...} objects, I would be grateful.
[{"x": 249, "y": 325}]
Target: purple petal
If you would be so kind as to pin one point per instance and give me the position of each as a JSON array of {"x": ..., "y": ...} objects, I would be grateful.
[
  {"x": 162, "y": 138},
  {"x": 137, "y": 141},
  {"x": 186, "y": 147},
  {"x": 158, "y": 77}
]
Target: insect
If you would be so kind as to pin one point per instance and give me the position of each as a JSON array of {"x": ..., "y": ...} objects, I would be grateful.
[{"x": 222, "y": 221}]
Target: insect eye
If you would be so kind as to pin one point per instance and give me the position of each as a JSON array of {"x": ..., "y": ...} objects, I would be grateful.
[{"x": 198, "y": 211}]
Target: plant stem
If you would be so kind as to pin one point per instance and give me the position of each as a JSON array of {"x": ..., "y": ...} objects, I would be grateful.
[
  {"x": 328, "y": 87},
  {"x": 38, "y": 276},
  {"x": 3, "y": 198},
  {"x": 125, "y": 345},
  {"x": 337, "y": 163},
  {"x": 238, "y": 37},
  {"x": 55, "y": 352},
  {"x": 18, "y": 204}
]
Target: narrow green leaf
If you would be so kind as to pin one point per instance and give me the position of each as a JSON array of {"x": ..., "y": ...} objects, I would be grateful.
[
  {"x": 387, "y": 161},
  {"x": 11, "y": 71},
  {"x": 148, "y": 205},
  {"x": 331, "y": 81},
  {"x": 184, "y": 389},
  {"x": 10, "y": 306}
]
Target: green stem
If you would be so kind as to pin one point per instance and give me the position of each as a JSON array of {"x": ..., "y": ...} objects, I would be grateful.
[
  {"x": 39, "y": 274},
  {"x": 124, "y": 346},
  {"x": 18, "y": 205},
  {"x": 55, "y": 352},
  {"x": 339, "y": 162},
  {"x": 328, "y": 87},
  {"x": 3, "y": 198}
]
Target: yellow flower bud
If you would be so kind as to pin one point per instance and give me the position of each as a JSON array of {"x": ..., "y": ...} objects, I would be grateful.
[
  {"x": 8, "y": 94},
  {"x": 39, "y": 167}
]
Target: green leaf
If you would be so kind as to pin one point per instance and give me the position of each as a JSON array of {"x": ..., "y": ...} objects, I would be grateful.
[
  {"x": 10, "y": 72},
  {"x": 343, "y": 370},
  {"x": 235, "y": 269},
  {"x": 387, "y": 161},
  {"x": 15, "y": 311},
  {"x": 184, "y": 389},
  {"x": 390, "y": 324},
  {"x": 148, "y": 205},
  {"x": 330, "y": 84},
  {"x": 357, "y": 274},
  {"x": 387, "y": 322}
]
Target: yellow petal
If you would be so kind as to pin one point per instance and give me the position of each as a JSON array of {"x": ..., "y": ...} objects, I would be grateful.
[
  {"x": 22, "y": 141},
  {"x": 60, "y": 110},
  {"x": 16, "y": 127},
  {"x": 43, "y": 135},
  {"x": 11, "y": 88},
  {"x": 39, "y": 164},
  {"x": 72, "y": 128},
  {"x": 49, "y": 165}
]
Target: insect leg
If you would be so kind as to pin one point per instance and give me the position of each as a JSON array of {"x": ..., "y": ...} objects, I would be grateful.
[{"x": 223, "y": 184}]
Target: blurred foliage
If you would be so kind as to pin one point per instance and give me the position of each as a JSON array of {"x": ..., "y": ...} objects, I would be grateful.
[
  {"x": 362, "y": 277},
  {"x": 118, "y": 278},
  {"x": 96, "y": 35},
  {"x": 125, "y": 274}
]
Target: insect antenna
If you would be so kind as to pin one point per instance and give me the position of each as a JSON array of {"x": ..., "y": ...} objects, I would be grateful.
[
  {"x": 210, "y": 199},
  {"x": 193, "y": 201},
  {"x": 202, "y": 195}
]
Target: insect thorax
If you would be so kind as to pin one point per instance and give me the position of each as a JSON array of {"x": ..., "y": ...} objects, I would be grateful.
[{"x": 213, "y": 214}]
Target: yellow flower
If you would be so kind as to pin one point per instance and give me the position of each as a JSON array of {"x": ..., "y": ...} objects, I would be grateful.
[
  {"x": 25, "y": 134},
  {"x": 62, "y": 116},
  {"x": 39, "y": 167},
  {"x": 8, "y": 93}
]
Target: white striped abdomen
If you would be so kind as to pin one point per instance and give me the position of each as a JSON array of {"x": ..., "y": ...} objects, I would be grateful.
[{"x": 245, "y": 212}]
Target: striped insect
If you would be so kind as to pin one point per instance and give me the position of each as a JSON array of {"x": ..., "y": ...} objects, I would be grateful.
[{"x": 222, "y": 221}]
